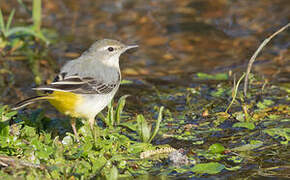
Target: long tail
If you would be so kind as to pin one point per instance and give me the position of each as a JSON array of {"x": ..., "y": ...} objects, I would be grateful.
[{"x": 28, "y": 101}]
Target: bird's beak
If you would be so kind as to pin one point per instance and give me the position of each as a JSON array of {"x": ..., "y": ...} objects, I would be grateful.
[{"x": 131, "y": 47}]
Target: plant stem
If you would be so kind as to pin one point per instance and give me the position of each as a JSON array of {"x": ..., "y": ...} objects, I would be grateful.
[
  {"x": 36, "y": 15},
  {"x": 235, "y": 93},
  {"x": 253, "y": 58}
]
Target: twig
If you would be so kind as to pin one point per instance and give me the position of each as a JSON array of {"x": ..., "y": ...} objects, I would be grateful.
[{"x": 253, "y": 58}]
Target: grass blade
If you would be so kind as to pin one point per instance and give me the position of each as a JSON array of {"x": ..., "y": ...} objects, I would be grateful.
[
  {"x": 36, "y": 15},
  {"x": 235, "y": 92},
  {"x": 110, "y": 115},
  {"x": 102, "y": 117},
  {"x": 2, "y": 24},
  {"x": 139, "y": 119},
  {"x": 26, "y": 30},
  {"x": 10, "y": 20},
  {"x": 24, "y": 7}
]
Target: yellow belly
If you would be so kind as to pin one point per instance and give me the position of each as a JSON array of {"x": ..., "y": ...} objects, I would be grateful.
[{"x": 65, "y": 102}]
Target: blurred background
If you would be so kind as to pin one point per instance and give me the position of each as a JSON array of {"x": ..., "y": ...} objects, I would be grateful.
[{"x": 176, "y": 38}]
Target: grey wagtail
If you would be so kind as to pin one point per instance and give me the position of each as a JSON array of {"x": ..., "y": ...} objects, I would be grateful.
[{"x": 87, "y": 84}]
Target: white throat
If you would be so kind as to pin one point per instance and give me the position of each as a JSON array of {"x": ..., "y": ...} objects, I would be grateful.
[{"x": 113, "y": 61}]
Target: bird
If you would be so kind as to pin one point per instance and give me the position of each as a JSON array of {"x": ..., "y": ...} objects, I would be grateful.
[{"x": 85, "y": 85}]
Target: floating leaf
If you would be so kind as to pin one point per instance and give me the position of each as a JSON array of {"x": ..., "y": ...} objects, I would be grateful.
[
  {"x": 208, "y": 168},
  {"x": 266, "y": 103},
  {"x": 216, "y": 148},
  {"x": 218, "y": 76},
  {"x": 280, "y": 132},
  {"x": 247, "y": 125}
]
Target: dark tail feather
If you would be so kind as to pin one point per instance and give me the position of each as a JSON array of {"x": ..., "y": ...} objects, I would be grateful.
[{"x": 28, "y": 101}]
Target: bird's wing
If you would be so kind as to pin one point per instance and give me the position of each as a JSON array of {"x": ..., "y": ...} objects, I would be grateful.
[{"x": 80, "y": 85}]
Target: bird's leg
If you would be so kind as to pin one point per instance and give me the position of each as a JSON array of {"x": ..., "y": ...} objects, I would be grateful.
[
  {"x": 92, "y": 122},
  {"x": 94, "y": 132},
  {"x": 73, "y": 125}
]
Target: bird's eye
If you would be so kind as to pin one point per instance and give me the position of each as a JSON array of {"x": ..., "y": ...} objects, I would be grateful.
[{"x": 110, "y": 49}]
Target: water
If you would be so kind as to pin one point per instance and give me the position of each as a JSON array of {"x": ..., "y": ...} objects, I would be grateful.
[{"x": 176, "y": 37}]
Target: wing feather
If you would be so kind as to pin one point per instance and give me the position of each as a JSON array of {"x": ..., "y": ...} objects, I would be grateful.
[{"x": 81, "y": 85}]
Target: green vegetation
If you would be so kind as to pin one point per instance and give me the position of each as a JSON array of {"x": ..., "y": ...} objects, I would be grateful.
[
  {"x": 33, "y": 147},
  {"x": 12, "y": 37},
  {"x": 113, "y": 118},
  {"x": 41, "y": 154},
  {"x": 24, "y": 40},
  {"x": 144, "y": 130}
]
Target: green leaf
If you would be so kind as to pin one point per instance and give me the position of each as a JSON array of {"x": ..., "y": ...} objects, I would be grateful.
[
  {"x": 208, "y": 168},
  {"x": 4, "y": 128},
  {"x": 109, "y": 119},
  {"x": 219, "y": 92},
  {"x": 10, "y": 19},
  {"x": 266, "y": 103},
  {"x": 143, "y": 128},
  {"x": 218, "y": 76},
  {"x": 28, "y": 131},
  {"x": 111, "y": 116},
  {"x": 157, "y": 126},
  {"x": 129, "y": 125},
  {"x": 125, "y": 81},
  {"x": 2, "y": 23},
  {"x": 28, "y": 31},
  {"x": 247, "y": 125},
  {"x": 216, "y": 148},
  {"x": 120, "y": 107},
  {"x": 256, "y": 142},
  {"x": 235, "y": 159},
  {"x": 113, "y": 175},
  {"x": 98, "y": 163},
  {"x": 279, "y": 132},
  {"x": 102, "y": 117}
]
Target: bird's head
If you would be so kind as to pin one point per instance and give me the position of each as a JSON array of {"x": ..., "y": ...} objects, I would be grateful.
[{"x": 108, "y": 51}]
